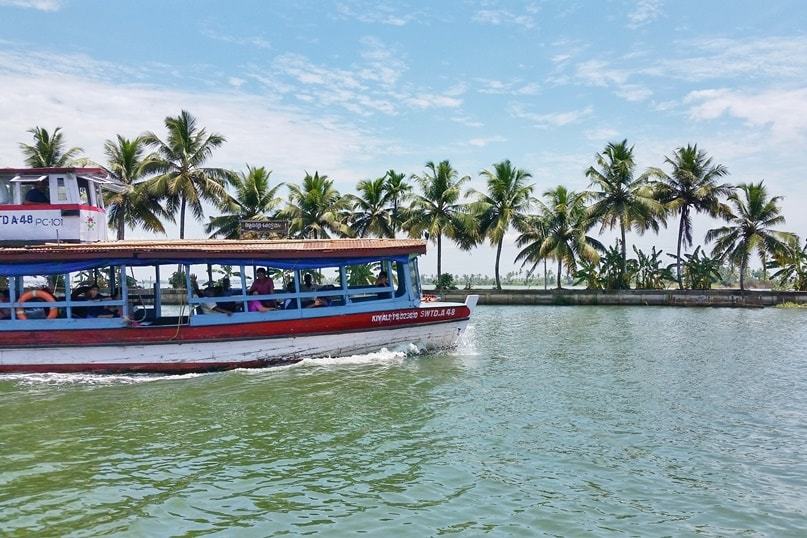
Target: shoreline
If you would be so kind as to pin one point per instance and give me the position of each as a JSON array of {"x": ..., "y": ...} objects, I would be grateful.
[{"x": 724, "y": 298}]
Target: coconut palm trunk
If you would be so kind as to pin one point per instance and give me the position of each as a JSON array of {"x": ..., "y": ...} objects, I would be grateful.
[
  {"x": 624, "y": 252},
  {"x": 182, "y": 205},
  {"x": 560, "y": 268},
  {"x": 545, "y": 274},
  {"x": 498, "y": 257},
  {"x": 743, "y": 265},
  {"x": 678, "y": 249},
  {"x": 121, "y": 225},
  {"x": 439, "y": 253}
]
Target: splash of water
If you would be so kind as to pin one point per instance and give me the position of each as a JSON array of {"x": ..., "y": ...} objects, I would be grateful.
[{"x": 466, "y": 343}]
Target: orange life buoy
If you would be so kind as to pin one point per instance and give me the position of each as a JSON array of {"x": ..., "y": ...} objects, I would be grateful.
[
  {"x": 429, "y": 298},
  {"x": 38, "y": 294}
]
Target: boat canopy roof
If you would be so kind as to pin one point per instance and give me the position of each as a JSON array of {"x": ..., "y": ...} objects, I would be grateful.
[{"x": 52, "y": 258}]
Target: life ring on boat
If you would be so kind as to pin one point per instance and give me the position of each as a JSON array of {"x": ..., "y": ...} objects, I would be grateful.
[
  {"x": 429, "y": 298},
  {"x": 37, "y": 294}
]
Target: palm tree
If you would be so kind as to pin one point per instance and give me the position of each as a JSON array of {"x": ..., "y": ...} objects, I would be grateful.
[
  {"x": 184, "y": 181},
  {"x": 253, "y": 199},
  {"x": 137, "y": 206},
  {"x": 397, "y": 190},
  {"x": 438, "y": 211},
  {"x": 370, "y": 213},
  {"x": 619, "y": 198},
  {"x": 692, "y": 187},
  {"x": 750, "y": 219},
  {"x": 48, "y": 150},
  {"x": 559, "y": 232},
  {"x": 507, "y": 201},
  {"x": 791, "y": 265},
  {"x": 316, "y": 209}
]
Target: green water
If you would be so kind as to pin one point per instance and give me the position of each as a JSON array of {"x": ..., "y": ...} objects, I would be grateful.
[{"x": 557, "y": 421}]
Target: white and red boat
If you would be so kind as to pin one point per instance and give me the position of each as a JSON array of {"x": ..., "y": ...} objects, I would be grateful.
[{"x": 318, "y": 298}]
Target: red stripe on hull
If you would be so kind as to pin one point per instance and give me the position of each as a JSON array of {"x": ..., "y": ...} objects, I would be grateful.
[
  {"x": 235, "y": 331},
  {"x": 141, "y": 368}
]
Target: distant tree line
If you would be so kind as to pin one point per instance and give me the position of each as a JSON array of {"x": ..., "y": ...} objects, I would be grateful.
[{"x": 168, "y": 178}]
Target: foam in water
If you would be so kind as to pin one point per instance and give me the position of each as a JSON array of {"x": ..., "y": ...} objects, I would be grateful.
[
  {"x": 89, "y": 379},
  {"x": 383, "y": 356}
]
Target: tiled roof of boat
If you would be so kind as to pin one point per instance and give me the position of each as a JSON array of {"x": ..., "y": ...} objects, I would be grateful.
[{"x": 283, "y": 248}]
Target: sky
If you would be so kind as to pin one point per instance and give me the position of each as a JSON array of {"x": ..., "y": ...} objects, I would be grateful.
[{"x": 353, "y": 88}]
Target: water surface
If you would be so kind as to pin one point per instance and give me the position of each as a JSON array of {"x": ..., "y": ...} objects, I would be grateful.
[{"x": 549, "y": 420}]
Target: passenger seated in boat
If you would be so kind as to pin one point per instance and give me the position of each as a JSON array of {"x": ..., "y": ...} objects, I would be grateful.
[
  {"x": 308, "y": 285},
  {"x": 257, "y": 306},
  {"x": 290, "y": 304},
  {"x": 263, "y": 285},
  {"x": 382, "y": 281},
  {"x": 5, "y": 313},
  {"x": 318, "y": 302},
  {"x": 225, "y": 290},
  {"x": 38, "y": 194},
  {"x": 213, "y": 307},
  {"x": 93, "y": 293}
]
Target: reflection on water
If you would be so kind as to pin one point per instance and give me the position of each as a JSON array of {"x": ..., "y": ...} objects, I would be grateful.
[{"x": 645, "y": 421}]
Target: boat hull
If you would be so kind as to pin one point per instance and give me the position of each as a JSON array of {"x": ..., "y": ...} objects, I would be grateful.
[{"x": 271, "y": 343}]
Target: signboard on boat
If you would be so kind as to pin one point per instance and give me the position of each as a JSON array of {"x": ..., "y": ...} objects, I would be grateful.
[{"x": 271, "y": 227}]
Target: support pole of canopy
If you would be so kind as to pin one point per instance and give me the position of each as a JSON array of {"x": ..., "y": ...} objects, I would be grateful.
[{"x": 157, "y": 294}]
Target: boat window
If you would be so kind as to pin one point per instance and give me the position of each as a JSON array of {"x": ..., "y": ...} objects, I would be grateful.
[
  {"x": 6, "y": 194},
  {"x": 369, "y": 281},
  {"x": 414, "y": 277},
  {"x": 320, "y": 287},
  {"x": 215, "y": 288},
  {"x": 61, "y": 190},
  {"x": 35, "y": 192},
  {"x": 83, "y": 191}
]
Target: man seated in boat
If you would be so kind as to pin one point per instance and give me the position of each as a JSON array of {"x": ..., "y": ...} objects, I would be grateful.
[
  {"x": 263, "y": 285},
  {"x": 93, "y": 293},
  {"x": 206, "y": 308},
  {"x": 38, "y": 194},
  {"x": 308, "y": 285},
  {"x": 382, "y": 281},
  {"x": 290, "y": 304},
  {"x": 224, "y": 290}
]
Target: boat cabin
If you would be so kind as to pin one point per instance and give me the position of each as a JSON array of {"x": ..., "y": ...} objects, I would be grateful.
[
  {"x": 39, "y": 205},
  {"x": 200, "y": 283}
]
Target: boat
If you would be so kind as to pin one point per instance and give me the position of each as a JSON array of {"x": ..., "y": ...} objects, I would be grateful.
[{"x": 84, "y": 304}]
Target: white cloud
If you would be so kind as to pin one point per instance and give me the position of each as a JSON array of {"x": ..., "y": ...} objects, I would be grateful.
[
  {"x": 645, "y": 12},
  {"x": 783, "y": 111},
  {"x": 254, "y": 41},
  {"x": 482, "y": 142},
  {"x": 90, "y": 110},
  {"x": 373, "y": 13},
  {"x": 40, "y": 5},
  {"x": 718, "y": 58},
  {"x": 633, "y": 92},
  {"x": 601, "y": 135},
  {"x": 514, "y": 87},
  {"x": 552, "y": 119},
  {"x": 370, "y": 85},
  {"x": 499, "y": 17},
  {"x": 466, "y": 120}
]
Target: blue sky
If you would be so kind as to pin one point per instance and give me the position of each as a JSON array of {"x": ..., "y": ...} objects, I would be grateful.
[{"x": 354, "y": 88}]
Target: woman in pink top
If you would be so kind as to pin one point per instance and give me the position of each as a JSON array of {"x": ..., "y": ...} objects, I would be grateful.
[{"x": 263, "y": 285}]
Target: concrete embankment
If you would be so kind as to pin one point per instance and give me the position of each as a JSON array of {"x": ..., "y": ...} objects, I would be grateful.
[{"x": 670, "y": 297}]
